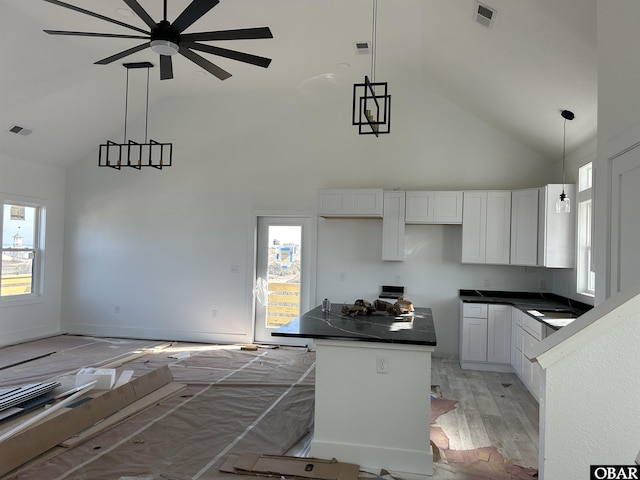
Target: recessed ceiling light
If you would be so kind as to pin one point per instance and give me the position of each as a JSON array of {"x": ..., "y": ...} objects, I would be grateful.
[
  {"x": 343, "y": 65},
  {"x": 124, "y": 12}
]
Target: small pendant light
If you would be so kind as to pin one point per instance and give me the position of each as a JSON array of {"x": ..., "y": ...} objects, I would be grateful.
[{"x": 563, "y": 204}]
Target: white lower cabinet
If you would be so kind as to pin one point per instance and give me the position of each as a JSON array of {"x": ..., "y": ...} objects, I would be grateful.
[
  {"x": 499, "y": 334},
  {"x": 526, "y": 333},
  {"x": 485, "y": 336}
]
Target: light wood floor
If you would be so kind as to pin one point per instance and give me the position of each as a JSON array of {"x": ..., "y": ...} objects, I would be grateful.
[{"x": 488, "y": 413}]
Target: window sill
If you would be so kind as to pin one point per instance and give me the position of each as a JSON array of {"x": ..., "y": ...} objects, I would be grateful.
[{"x": 17, "y": 302}]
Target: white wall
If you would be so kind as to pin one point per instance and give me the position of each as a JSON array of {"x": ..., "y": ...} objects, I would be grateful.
[
  {"x": 618, "y": 115},
  {"x": 41, "y": 317},
  {"x": 160, "y": 244},
  {"x": 589, "y": 409}
]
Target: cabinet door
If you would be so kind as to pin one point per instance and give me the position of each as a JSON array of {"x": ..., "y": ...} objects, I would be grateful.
[
  {"x": 447, "y": 207},
  {"x": 516, "y": 340},
  {"x": 499, "y": 334},
  {"x": 524, "y": 227},
  {"x": 393, "y": 226},
  {"x": 498, "y": 227},
  {"x": 474, "y": 227},
  {"x": 474, "y": 340},
  {"x": 419, "y": 207},
  {"x": 350, "y": 202},
  {"x": 530, "y": 370}
]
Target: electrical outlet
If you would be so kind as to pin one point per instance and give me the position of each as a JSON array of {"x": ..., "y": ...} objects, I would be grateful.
[
  {"x": 342, "y": 276},
  {"x": 214, "y": 313},
  {"x": 116, "y": 309},
  {"x": 542, "y": 284},
  {"x": 234, "y": 268},
  {"x": 486, "y": 283},
  {"x": 396, "y": 279},
  {"x": 382, "y": 364}
]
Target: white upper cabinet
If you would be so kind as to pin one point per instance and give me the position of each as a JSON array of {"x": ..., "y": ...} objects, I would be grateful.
[
  {"x": 524, "y": 227},
  {"x": 556, "y": 231},
  {"x": 486, "y": 227},
  {"x": 350, "y": 202},
  {"x": 419, "y": 207},
  {"x": 429, "y": 207},
  {"x": 393, "y": 226}
]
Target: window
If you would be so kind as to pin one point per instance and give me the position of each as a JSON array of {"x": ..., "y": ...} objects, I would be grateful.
[
  {"x": 22, "y": 225},
  {"x": 585, "y": 272}
]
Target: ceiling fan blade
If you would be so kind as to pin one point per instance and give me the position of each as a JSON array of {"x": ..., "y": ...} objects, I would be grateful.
[
  {"x": 195, "y": 10},
  {"x": 91, "y": 34},
  {"x": 124, "y": 53},
  {"x": 212, "y": 68},
  {"x": 141, "y": 12},
  {"x": 239, "y": 34},
  {"x": 232, "y": 54},
  {"x": 166, "y": 67},
  {"x": 96, "y": 15}
]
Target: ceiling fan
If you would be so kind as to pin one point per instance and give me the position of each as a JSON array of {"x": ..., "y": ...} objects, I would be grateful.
[{"x": 166, "y": 38}]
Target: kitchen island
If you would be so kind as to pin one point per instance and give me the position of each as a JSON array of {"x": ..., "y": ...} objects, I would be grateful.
[{"x": 373, "y": 385}]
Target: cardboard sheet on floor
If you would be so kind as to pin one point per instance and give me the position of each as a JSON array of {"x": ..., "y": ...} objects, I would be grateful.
[
  {"x": 30, "y": 443},
  {"x": 270, "y": 465}
]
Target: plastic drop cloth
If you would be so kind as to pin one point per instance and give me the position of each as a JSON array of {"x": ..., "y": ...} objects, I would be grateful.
[{"x": 258, "y": 401}]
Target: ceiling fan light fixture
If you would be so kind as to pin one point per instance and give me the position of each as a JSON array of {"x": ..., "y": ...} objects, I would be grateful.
[{"x": 164, "y": 47}]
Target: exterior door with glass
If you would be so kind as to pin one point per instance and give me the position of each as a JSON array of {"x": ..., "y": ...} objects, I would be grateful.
[{"x": 282, "y": 276}]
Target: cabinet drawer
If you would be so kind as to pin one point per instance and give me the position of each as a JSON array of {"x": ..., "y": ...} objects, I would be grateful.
[
  {"x": 476, "y": 310},
  {"x": 532, "y": 326}
]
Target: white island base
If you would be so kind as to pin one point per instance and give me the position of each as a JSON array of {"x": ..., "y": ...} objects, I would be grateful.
[{"x": 373, "y": 405}]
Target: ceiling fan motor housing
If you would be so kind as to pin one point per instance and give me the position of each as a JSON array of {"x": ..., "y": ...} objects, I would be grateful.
[{"x": 164, "y": 31}]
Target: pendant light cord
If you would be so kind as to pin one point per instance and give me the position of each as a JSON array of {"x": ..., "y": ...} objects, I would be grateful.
[
  {"x": 126, "y": 107},
  {"x": 374, "y": 34},
  {"x": 564, "y": 142},
  {"x": 146, "y": 117}
]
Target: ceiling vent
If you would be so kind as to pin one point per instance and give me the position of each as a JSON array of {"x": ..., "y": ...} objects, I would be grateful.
[
  {"x": 20, "y": 130},
  {"x": 484, "y": 15},
  {"x": 362, "y": 48}
]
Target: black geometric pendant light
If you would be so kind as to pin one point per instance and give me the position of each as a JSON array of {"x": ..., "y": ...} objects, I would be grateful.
[
  {"x": 134, "y": 154},
  {"x": 371, "y": 109}
]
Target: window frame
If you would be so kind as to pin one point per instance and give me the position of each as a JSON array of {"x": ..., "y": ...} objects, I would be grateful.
[
  {"x": 38, "y": 249},
  {"x": 585, "y": 274}
]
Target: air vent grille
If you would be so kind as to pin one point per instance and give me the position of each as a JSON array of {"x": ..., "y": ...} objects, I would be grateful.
[
  {"x": 362, "y": 48},
  {"x": 484, "y": 15},
  {"x": 20, "y": 130}
]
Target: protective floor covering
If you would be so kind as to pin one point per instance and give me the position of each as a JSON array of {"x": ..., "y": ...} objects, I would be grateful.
[
  {"x": 236, "y": 401},
  {"x": 45, "y": 359}
]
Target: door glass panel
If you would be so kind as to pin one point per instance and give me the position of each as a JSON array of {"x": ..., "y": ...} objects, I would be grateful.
[{"x": 283, "y": 274}]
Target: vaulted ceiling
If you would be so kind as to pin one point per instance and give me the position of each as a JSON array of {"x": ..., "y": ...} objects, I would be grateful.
[{"x": 537, "y": 58}]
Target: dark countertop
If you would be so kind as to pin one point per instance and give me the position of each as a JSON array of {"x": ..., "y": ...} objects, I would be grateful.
[
  {"x": 526, "y": 301},
  {"x": 412, "y": 329}
]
